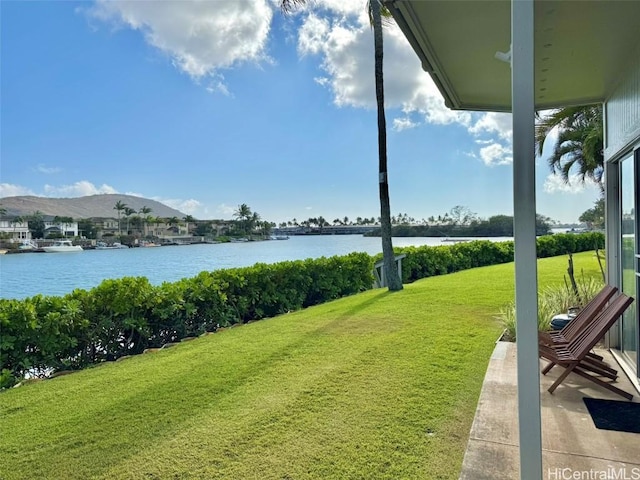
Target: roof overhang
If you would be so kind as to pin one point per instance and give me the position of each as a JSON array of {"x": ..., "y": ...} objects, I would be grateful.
[{"x": 581, "y": 47}]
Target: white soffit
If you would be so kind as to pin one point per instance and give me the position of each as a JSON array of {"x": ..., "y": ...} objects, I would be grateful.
[{"x": 581, "y": 48}]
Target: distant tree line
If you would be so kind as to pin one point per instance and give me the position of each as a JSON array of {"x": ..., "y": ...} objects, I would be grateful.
[{"x": 496, "y": 226}]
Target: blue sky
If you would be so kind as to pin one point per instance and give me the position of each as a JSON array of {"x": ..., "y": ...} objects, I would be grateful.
[{"x": 207, "y": 105}]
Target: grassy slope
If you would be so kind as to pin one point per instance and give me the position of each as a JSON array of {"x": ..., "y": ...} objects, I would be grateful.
[{"x": 376, "y": 385}]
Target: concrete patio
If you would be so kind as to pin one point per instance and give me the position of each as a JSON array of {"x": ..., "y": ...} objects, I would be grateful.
[{"x": 572, "y": 447}]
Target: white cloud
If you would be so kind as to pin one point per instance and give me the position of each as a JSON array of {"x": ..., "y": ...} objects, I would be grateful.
[
  {"x": 10, "y": 190},
  {"x": 555, "y": 184},
  {"x": 136, "y": 194},
  {"x": 204, "y": 37},
  {"x": 78, "y": 189},
  {"x": 41, "y": 168},
  {"x": 225, "y": 209},
  {"x": 190, "y": 207},
  {"x": 312, "y": 35},
  {"x": 496, "y": 154},
  {"x": 405, "y": 123},
  {"x": 494, "y": 123},
  {"x": 345, "y": 8},
  {"x": 201, "y": 37},
  {"x": 342, "y": 37}
]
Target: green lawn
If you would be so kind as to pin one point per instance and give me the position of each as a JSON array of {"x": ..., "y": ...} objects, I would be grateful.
[{"x": 372, "y": 386}]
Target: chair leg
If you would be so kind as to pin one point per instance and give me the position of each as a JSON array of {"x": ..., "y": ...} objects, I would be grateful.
[
  {"x": 599, "y": 370},
  {"x": 601, "y": 363},
  {"x": 606, "y": 385},
  {"x": 599, "y": 367},
  {"x": 548, "y": 368},
  {"x": 567, "y": 370},
  {"x": 595, "y": 355}
]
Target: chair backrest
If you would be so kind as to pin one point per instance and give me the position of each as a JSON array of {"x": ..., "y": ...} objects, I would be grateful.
[
  {"x": 594, "y": 331},
  {"x": 589, "y": 312}
]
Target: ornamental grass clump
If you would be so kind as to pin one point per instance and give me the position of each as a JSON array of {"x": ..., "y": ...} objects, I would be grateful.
[{"x": 553, "y": 300}]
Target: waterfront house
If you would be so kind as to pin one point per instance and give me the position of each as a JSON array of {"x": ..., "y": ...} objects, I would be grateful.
[
  {"x": 15, "y": 230},
  {"x": 528, "y": 55},
  {"x": 105, "y": 226},
  {"x": 55, "y": 228}
]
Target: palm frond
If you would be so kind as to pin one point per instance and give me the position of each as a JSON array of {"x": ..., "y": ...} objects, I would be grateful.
[
  {"x": 385, "y": 14},
  {"x": 290, "y": 6},
  {"x": 579, "y": 146}
]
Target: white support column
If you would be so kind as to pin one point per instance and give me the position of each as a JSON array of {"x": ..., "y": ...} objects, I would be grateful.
[
  {"x": 524, "y": 210},
  {"x": 612, "y": 237}
]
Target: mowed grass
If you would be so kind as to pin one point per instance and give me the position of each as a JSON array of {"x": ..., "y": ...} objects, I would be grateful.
[{"x": 373, "y": 386}]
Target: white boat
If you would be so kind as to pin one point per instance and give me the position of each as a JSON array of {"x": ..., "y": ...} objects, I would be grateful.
[
  {"x": 145, "y": 243},
  {"x": 28, "y": 245},
  {"x": 113, "y": 246},
  {"x": 62, "y": 246}
]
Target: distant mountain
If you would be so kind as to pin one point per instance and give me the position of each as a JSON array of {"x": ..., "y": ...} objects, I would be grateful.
[{"x": 84, "y": 207}]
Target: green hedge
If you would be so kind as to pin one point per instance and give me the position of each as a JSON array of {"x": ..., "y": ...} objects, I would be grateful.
[
  {"x": 41, "y": 335},
  {"x": 426, "y": 261}
]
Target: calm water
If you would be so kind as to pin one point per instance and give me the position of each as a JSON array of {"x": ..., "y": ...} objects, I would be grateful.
[{"x": 29, "y": 274}]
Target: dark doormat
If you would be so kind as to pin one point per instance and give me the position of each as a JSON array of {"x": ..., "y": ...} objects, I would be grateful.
[{"x": 614, "y": 415}]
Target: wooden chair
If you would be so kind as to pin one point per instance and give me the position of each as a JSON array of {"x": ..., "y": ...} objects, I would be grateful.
[
  {"x": 571, "y": 356},
  {"x": 575, "y": 326},
  {"x": 586, "y": 315}
]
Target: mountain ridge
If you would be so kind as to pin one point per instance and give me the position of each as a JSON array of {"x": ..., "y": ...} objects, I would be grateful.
[{"x": 90, "y": 206}]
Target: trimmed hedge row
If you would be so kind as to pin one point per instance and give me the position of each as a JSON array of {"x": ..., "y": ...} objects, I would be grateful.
[
  {"x": 564, "y": 243},
  {"x": 424, "y": 261},
  {"x": 41, "y": 334}
]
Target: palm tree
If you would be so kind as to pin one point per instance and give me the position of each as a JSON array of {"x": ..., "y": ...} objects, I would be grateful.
[
  {"x": 376, "y": 12},
  {"x": 244, "y": 215},
  {"x": 145, "y": 211},
  {"x": 16, "y": 221},
  {"x": 35, "y": 221},
  {"x": 187, "y": 220},
  {"x": 151, "y": 220},
  {"x": 243, "y": 211},
  {"x": 120, "y": 206},
  {"x": 254, "y": 221},
  {"x": 580, "y": 144},
  {"x": 172, "y": 221},
  {"x": 127, "y": 213}
]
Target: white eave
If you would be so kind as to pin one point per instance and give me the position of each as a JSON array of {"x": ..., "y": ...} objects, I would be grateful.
[{"x": 580, "y": 48}]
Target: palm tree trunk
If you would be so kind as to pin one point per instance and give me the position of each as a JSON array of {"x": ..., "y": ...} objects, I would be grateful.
[{"x": 390, "y": 271}]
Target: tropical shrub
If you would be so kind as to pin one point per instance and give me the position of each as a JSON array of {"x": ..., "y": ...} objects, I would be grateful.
[
  {"x": 38, "y": 335},
  {"x": 551, "y": 302},
  {"x": 41, "y": 335}
]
